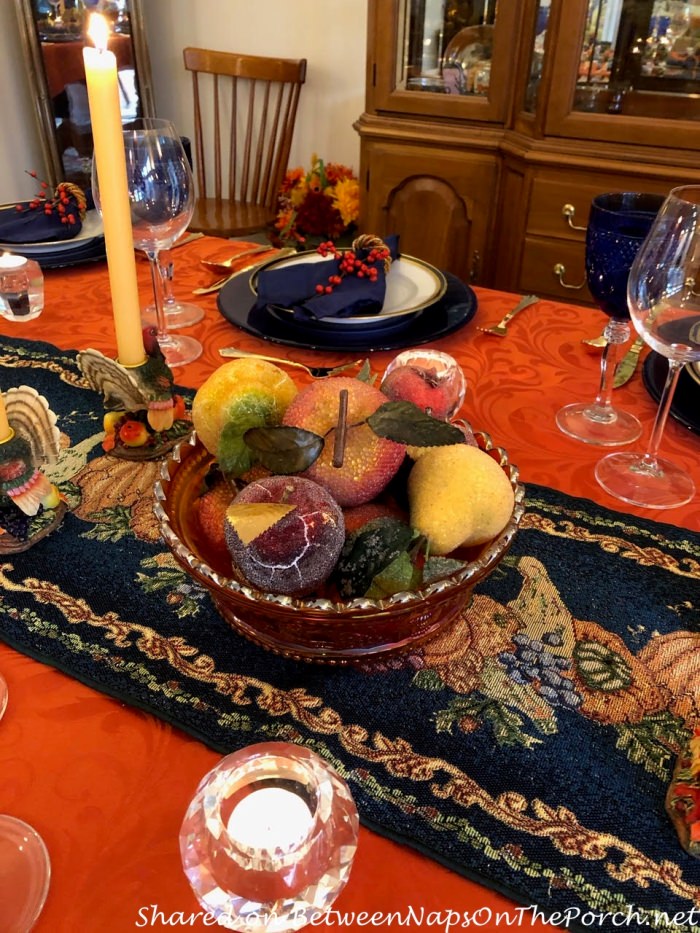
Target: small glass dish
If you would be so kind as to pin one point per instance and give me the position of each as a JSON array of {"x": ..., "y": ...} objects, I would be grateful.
[{"x": 314, "y": 629}]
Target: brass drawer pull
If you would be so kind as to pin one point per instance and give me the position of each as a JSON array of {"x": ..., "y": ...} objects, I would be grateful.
[
  {"x": 568, "y": 210},
  {"x": 560, "y": 271}
]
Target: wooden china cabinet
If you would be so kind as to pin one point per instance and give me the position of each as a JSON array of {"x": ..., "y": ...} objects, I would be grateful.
[{"x": 491, "y": 124}]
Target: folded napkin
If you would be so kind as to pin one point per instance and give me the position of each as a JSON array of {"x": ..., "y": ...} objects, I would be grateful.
[
  {"x": 293, "y": 286},
  {"x": 28, "y": 222}
]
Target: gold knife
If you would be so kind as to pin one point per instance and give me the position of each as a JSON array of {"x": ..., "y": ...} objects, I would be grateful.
[
  {"x": 219, "y": 284},
  {"x": 628, "y": 364}
]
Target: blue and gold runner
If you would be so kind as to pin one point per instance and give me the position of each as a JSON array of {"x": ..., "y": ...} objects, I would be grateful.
[{"x": 528, "y": 746}]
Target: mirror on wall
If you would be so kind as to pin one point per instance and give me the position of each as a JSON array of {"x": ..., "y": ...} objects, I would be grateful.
[{"x": 54, "y": 34}]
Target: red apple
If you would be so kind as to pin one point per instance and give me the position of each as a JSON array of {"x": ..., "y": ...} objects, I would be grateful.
[{"x": 284, "y": 534}]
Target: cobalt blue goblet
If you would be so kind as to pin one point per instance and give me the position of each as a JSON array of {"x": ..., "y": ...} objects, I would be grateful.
[{"x": 618, "y": 224}]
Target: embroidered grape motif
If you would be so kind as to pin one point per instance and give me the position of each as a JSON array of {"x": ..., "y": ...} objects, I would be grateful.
[{"x": 531, "y": 663}]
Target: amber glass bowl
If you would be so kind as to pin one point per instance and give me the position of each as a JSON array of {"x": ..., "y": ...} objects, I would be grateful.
[{"x": 318, "y": 629}]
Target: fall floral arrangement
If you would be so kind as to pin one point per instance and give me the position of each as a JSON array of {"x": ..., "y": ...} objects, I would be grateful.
[{"x": 321, "y": 204}]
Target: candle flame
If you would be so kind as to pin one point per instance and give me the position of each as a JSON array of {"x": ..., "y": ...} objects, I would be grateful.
[{"x": 98, "y": 31}]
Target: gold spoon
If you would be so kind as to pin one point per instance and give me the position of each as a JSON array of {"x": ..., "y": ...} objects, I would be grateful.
[
  {"x": 225, "y": 265},
  {"x": 595, "y": 341},
  {"x": 318, "y": 372}
]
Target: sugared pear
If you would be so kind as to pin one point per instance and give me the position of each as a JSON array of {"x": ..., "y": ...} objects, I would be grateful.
[{"x": 458, "y": 496}]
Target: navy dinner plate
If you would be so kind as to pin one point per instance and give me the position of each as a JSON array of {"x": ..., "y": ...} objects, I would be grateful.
[
  {"x": 454, "y": 309},
  {"x": 685, "y": 406}
]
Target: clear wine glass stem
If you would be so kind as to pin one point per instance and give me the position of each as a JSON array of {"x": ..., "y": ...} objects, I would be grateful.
[
  {"x": 649, "y": 461},
  {"x": 166, "y": 268},
  {"x": 616, "y": 333},
  {"x": 158, "y": 298}
]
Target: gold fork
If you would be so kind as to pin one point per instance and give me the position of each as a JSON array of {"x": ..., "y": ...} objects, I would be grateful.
[
  {"x": 318, "y": 372},
  {"x": 499, "y": 330}
]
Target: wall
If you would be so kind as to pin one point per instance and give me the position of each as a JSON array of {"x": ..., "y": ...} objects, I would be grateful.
[
  {"x": 20, "y": 149},
  {"x": 330, "y": 35}
]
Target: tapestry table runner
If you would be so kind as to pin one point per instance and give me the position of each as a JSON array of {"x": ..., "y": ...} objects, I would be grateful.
[{"x": 528, "y": 746}]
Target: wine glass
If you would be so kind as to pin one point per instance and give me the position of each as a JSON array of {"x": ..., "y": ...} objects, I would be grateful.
[
  {"x": 161, "y": 189},
  {"x": 664, "y": 302},
  {"x": 161, "y": 192},
  {"x": 617, "y": 226},
  {"x": 177, "y": 313}
]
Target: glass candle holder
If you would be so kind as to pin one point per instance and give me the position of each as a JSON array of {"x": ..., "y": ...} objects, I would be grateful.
[
  {"x": 268, "y": 840},
  {"x": 431, "y": 379},
  {"x": 21, "y": 288}
]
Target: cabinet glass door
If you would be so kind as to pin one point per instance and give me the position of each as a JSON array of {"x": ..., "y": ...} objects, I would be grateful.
[
  {"x": 449, "y": 57},
  {"x": 447, "y": 46},
  {"x": 635, "y": 59},
  {"x": 652, "y": 46}
]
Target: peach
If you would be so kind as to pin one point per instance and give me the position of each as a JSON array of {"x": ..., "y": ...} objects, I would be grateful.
[
  {"x": 430, "y": 379},
  {"x": 369, "y": 461}
]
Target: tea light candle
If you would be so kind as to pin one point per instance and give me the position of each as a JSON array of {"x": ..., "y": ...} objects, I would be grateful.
[
  {"x": 270, "y": 818},
  {"x": 105, "y": 116},
  {"x": 271, "y": 832},
  {"x": 6, "y": 431}
]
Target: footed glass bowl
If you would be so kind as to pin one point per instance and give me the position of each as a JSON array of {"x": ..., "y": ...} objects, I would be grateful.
[{"x": 314, "y": 629}]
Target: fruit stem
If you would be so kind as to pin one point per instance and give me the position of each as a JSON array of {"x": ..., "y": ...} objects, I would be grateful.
[{"x": 341, "y": 429}]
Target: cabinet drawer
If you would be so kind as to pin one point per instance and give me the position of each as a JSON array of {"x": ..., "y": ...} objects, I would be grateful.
[
  {"x": 537, "y": 275},
  {"x": 549, "y": 195}
]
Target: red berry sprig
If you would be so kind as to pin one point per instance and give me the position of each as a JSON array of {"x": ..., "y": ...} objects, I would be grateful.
[
  {"x": 58, "y": 203},
  {"x": 350, "y": 262}
]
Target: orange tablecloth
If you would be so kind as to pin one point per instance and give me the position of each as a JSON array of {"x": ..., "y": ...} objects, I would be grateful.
[{"x": 107, "y": 785}]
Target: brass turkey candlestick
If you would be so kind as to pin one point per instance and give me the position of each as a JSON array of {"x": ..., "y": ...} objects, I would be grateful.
[{"x": 144, "y": 417}]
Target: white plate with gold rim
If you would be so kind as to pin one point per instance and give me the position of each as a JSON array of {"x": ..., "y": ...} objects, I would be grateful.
[
  {"x": 90, "y": 230},
  {"x": 411, "y": 286}
]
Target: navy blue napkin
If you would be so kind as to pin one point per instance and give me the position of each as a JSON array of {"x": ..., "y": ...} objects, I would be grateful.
[
  {"x": 293, "y": 286},
  {"x": 33, "y": 225}
]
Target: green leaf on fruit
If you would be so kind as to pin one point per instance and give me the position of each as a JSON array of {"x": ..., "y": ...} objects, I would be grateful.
[
  {"x": 284, "y": 449},
  {"x": 400, "y": 576},
  {"x": 365, "y": 373},
  {"x": 406, "y": 423},
  {"x": 435, "y": 568},
  {"x": 367, "y": 552},
  {"x": 233, "y": 454}
]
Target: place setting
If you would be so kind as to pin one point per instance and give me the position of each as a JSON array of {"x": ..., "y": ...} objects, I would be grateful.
[
  {"x": 55, "y": 228},
  {"x": 411, "y": 304}
]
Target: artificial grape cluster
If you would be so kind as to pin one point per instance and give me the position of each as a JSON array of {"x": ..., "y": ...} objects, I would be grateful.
[
  {"x": 14, "y": 522},
  {"x": 532, "y": 663},
  {"x": 349, "y": 263}
]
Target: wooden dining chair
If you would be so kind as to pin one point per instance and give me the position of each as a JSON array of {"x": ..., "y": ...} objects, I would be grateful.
[{"x": 244, "y": 112}]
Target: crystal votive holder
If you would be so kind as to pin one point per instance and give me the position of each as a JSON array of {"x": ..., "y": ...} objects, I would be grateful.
[
  {"x": 268, "y": 840},
  {"x": 432, "y": 379}
]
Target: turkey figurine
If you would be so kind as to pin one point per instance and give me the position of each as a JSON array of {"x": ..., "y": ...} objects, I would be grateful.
[
  {"x": 34, "y": 441},
  {"x": 148, "y": 386}
]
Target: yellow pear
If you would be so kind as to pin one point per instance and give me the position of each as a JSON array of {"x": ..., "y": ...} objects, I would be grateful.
[{"x": 458, "y": 496}]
